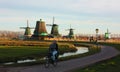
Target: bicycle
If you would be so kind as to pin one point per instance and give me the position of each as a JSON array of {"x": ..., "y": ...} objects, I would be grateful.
[{"x": 50, "y": 60}]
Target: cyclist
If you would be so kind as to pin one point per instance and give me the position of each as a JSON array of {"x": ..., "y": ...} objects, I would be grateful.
[{"x": 53, "y": 50}]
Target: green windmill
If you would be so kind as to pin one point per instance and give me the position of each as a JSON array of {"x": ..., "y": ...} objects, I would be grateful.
[
  {"x": 107, "y": 34},
  {"x": 54, "y": 30},
  {"x": 71, "y": 33},
  {"x": 27, "y": 33}
]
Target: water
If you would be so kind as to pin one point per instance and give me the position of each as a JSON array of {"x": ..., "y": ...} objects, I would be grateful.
[
  {"x": 80, "y": 50},
  {"x": 8, "y": 63},
  {"x": 24, "y": 61}
]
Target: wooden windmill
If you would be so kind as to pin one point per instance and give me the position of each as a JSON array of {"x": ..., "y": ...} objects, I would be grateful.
[
  {"x": 54, "y": 29},
  {"x": 27, "y": 32},
  {"x": 40, "y": 31},
  {"x": 71, "y": 33}
]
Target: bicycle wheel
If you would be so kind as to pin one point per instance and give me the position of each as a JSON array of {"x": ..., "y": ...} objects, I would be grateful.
[
  {"x": 55, "y": 63},
  {"x": 47, "y": 63}
]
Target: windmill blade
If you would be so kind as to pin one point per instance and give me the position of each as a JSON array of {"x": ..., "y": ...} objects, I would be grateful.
[
  {"x": 67, "y": 29},
  {"x": 53, "y": 20},
  {"x": 22, "y": 27},
  {"x": 32, "y": 28},
  {"x": 72, "y": 29},
  {"x": 27, "y": 24},
  {"x": 49, "y": 25}
]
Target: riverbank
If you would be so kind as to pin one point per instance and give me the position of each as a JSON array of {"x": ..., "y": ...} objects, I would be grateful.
[
  {"x": 13, "y": 51},
  {"x": 38, "y": 50},
  {"x": 92, "y": 49}
]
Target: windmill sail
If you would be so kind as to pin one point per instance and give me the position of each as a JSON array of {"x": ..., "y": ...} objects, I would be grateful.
[
  {"x": 27, "y": 33},
  {"x": 71, "y": 32},
  {"x": 54, "y": 29}
]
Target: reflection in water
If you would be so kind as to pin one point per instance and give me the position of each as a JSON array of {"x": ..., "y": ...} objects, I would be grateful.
[
  {"x": 80, "y": 50},
  {"x": 8, "y": 63},
  {"x": 28, "y": 60}
]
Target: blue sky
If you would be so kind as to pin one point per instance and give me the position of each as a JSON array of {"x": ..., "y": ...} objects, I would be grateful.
[{"x": 83, "y": 15}]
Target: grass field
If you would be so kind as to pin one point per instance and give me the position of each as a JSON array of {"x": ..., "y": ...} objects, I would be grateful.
[
  {"x": 92, "y": 50},
  {"x": 111, "y": 65},
  {"x": 14, "y": 53},
  {"x": 20, "y": 50}
]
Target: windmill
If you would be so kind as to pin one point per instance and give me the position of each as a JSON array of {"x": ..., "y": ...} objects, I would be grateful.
[
  {"x": 40, "y": 31},
  {"x": 107, "y": 34},
  {"x": 71, "y": 33},
  {"x": 27, "y": 33},
  {"x": 54, "y": 29}
]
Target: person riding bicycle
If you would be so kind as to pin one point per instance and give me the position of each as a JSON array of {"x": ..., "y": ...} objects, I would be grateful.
[{"x": 53, "y": 50}]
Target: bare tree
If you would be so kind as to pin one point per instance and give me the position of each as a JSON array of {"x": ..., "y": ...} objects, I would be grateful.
[{"x": 10, "y": 34}]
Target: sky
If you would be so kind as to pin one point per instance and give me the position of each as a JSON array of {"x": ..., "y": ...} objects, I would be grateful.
[{"x": 84, "y": 16}]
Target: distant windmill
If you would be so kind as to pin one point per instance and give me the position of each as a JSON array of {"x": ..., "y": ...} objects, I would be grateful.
[
  {"x": 27, "y": 33},
  {"x": 54, "y": 30},
  {"x": 107, "y": 34},
  {"x": 71, "y": 33}
]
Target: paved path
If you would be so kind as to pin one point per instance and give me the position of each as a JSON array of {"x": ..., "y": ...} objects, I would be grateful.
[{"x": 63, "y": 66}]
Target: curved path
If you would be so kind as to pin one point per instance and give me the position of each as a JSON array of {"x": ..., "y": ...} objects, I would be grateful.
[{"x": 63, "y": 66}]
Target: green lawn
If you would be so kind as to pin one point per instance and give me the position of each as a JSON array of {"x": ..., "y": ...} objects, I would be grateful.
[
  {"x": 15, "y": 50},
  {"x": 14, "y": 53},
  {"x": 111, "y": 65}
]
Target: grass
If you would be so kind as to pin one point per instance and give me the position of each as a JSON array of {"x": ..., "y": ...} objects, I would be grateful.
[
  {"x": 92, "y": 50},
  {"x": 18, "y": 50},
  {"x": 11, "y": 51},
  {"x": 14, "y": 53},
  {"x": 111, "y": 65}
]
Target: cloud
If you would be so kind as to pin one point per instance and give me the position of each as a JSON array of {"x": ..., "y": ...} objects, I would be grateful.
[
  {"x": 93, "y": 6},
  {"x": 87, "y": 12},
  {"x": 10, "y": 15},
  {"x": 70, "y": 5}
]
